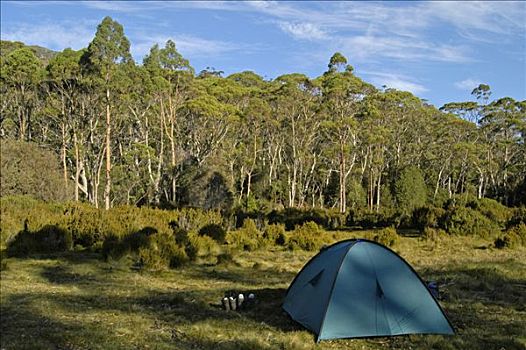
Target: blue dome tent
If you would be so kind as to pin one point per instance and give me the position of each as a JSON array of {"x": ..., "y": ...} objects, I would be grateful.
[{"x": 359, "y": 288}]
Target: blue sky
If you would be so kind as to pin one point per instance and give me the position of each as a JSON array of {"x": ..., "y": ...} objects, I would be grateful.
[{"x": 439, "y": 50}]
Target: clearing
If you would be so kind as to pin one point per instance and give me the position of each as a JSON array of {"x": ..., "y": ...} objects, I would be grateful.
[{"x": 77, "y": 301}]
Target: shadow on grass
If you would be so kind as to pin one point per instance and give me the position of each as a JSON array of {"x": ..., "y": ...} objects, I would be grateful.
[
  {"x": 23, "y": 327},
  {"x": 61, "y": 274},
  {"x": 485, "y": 306},
  {"x": 241, "y": 275},
  {"x": 193, "y": 306},
  {"x": 267, "y": 310}
]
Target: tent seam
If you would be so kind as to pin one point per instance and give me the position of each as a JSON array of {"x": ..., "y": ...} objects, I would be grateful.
[{"x": 332, "y": 289}]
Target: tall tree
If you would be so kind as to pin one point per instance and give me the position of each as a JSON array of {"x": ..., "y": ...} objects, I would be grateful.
[
  {"x": 342, "y": 93},
  {"x": 20, "y": 74},
  {"x": 109, "y": 48}
]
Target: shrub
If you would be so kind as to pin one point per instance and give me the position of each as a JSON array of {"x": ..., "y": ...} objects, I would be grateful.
[
  {"x": 275, "y": 234},
  {"x": 201, "y": 246},
  {"x": 147, "y": 248},
  {"x": 367, "y": 219},
  {"x": 28, "y": 169},
  {"x": 410, "y": 190},
  {"x": 513, "y": 237},
  {"x": 427, "y": 216},
  {"x": 248, "y": 236},
  {"x": 387, "y": 236},
  {"x": 49, "y": 239},
  {"x": 493, "y": 210},
  {"x": 402, "y": 220},
  {"x": 518, "y": 216},
  {"x": 466, "y": 221},
  {"x": 238, "y": 239},
  {"x": 112, "y": 248},
  {"x": 160, "y": 252},
  {"x": 433, "y": 234},
  {"x": 87, "y": 224},
  {"x": 214, "y": 231},
  {"x": 520, "y": 230},
  {"x": 308, "y": 236},
  {"x": 292, "y": 217},
  {"x": 24, "y": 213}
]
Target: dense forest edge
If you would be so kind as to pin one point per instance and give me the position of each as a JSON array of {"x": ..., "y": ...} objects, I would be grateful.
[{"x": 101, "y": 153}]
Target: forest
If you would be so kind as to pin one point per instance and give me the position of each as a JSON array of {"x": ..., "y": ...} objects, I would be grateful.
[{"x": 160, "y": 134}]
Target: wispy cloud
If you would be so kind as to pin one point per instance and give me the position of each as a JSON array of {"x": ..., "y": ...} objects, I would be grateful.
[
  {"x": 484, "y": 16},
  {"x": 121, "y": 6},
  {"x": 55, "y": 36},
  {"x": 467, "y": 84},
  {"x": 365, "y": 47},
  {"x": 189, "y": 45},
  {"x": 305, "y": 31},
  {"x": 396, "y": 81}
]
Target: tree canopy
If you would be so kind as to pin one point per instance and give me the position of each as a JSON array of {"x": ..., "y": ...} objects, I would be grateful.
[{"x": 157, "y": 133}]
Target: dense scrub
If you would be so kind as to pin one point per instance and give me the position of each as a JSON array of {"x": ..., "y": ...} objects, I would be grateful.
[
  {"x": 156, "y": 238},
  {"x": 89, "y": 226}
]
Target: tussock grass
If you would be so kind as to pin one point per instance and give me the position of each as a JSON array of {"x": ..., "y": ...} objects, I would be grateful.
[{"x": 76, "y": 301}]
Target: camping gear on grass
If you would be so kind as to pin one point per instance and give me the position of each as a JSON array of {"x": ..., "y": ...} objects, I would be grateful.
[
  {"x": 237, "y": 301},
  {"x": 359, "y": 288},
  {"x": 226, "y": 303}
]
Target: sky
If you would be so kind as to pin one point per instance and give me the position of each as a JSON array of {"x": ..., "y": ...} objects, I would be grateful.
[{"x": 438, "y": 50}]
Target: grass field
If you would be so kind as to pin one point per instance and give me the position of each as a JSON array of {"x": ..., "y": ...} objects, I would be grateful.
[{"x": 77, "y": 301}]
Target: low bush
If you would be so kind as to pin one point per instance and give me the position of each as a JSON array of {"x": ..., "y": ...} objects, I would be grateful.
[
  {"x": 201, "y": 246},
  {"x": 147, "y": 248},
  {"x": 292, "y": 217},
  {"x": 402, "y": 220},
  {"x": 518, "y": 216},
  {"x": 367, "y": 219},
  {"x": 225, "y": 259},
  {"x": 427, "y": 216},
  {"x": 308, "y": 236},
  {"x": 275, "y": 234},
  {"x": 387, "y": 236},
  {"x": 214, "y": 231},
  {"x": 90, "y": 226},
  {"x": 433, "y": 234},
  {"x": 493, "y": 210},
  {"x": 247, "y": 237},
  {"x": 160, "y": 251},
  {"x": 49, "y": 239},
  {"x": 513, "y": 237},
  {"x": 22, "y": 213},
  {"x": 466, "y": 221}
]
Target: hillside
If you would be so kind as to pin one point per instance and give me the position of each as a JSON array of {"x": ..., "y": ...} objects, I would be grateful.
[{"x": 44, "y": 54}]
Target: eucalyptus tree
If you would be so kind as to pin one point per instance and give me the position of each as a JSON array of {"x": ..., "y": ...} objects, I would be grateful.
[
  {"x": 108, "y": 49},
  {"x": 468, "y": 110},
  {"x": 296, "y": 101},
  {"x": 247, "y": 143},
  {"x": 20, "y": 74},
  {"x": 503, "y": 125},
  {"x": 172, "y": 77},
  {"x": 207, "y": 119},
  {"x": 64, "y": 77},
  {"x": 342, "y": 95}
]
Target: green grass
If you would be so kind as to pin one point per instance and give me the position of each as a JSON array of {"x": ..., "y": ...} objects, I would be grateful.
[{"x": 76, "y": 301}]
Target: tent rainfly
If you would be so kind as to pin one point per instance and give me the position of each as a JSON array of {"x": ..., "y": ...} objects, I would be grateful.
[{"x": 359, "y": 288}]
